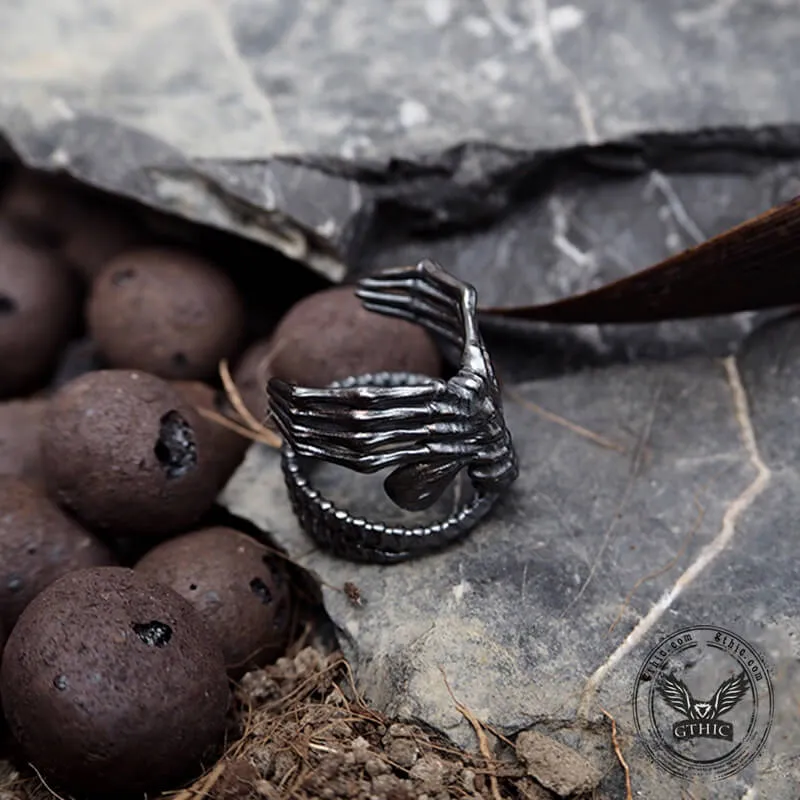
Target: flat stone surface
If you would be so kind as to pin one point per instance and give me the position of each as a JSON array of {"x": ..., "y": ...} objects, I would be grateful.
[{"x": 544, "y": 615}]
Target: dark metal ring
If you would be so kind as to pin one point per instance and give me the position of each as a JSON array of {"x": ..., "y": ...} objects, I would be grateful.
[
  {"x": 358, "y": 539},
  {"x": 426, "y": 430}
]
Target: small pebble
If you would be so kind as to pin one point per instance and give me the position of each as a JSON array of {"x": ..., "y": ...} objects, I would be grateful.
[
  {"x": 235, "y": 585},
  {"x": 111, "y": 683},
  {"x": 398, "y": 730},
  {"x": 389, "y": 787},
  {"x": 166, "y": 312},
  {"x": 38, "y": 544},
  {"x": 329, "y": 336},
  {"x": 124, "y": 452},
  {"x": 375, "y": 766},
  {"x": 468, "y": 780},
  {"x": 258, "y": 687},
  {"x": 556, "y": 766},
  {"x": 430, "y": 772},
  {"x": 403, "y": 752},
  {"x": 361, "y": 750}
]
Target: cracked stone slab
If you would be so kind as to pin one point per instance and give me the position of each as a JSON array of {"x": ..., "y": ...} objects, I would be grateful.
[
  {"x": 685, "y": 514},
  {"x": 251, "y": 79},
  {"x": 311, "y": 126},
  {"x": 584, "y": 231}
]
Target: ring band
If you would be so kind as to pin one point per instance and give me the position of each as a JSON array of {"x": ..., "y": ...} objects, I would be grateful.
[
  {"x": 426, "y": 430},
  {"x": 354, "y": 538}
]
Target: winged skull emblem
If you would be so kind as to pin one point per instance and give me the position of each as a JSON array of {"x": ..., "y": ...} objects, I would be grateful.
[{"x": 678, "y": 697}]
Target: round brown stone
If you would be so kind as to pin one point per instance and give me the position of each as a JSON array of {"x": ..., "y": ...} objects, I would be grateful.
[
  {"x": 112, "y": 683},
  {"x": 225, "y": 447},
  {"x": 125, "y": 453},
  {"x": 20, "y": 428},
  {"x": 38, "y": 544},
  {"x": 235, "y": 585},
  {"x": 166, "y": 312},
  {"x": 39, "y": 311},
  {"x": 251, "y": 376},
  {"x": 329, "y": 336}
]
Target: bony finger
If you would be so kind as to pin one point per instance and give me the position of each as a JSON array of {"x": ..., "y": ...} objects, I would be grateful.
[
  {"x": 367, "y": 397},
  {"x": 366, "y": 440},
  {"x": 418, "y": 286},
  {"x": 277, "y": 387},
  {"x": 397, "y": 281},
  {"x": 380, "y": 296}
]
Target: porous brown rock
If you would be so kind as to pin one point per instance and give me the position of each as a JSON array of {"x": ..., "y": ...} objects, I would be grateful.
[
  {"x": 39, "y": 312},
  {"x": 167, "y": 312},
  {"x": 111, "y": 683},
  {"x": 126, "y": 454},
  {"x": 235, "y": 585},
  {"x": 251, "y": 375},
  {"x": 20, "y": 428},
  {"x": 38, "y": 544},
  {"x": 329, "y": 336}
]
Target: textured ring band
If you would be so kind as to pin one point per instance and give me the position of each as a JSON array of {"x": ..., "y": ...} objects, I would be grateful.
[
  {"x": 425, "y": 430},
  {"x": 357, "y": 539}
]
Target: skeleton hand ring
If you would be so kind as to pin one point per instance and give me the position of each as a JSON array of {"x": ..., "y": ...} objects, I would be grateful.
[{"x": 426, "y": 430}]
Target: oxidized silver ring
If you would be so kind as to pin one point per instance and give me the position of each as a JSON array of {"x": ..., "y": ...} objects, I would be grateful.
[{"x": 427, "y": 430}]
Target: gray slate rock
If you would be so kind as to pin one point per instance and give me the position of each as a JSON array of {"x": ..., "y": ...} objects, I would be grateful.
[
  {"x": 251, "y": 79},
  {"x": 313, "y": 127},
  {"x": 544, "y": 614}
]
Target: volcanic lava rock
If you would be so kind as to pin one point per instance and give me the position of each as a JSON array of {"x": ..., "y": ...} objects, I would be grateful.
[
  {"x": 225, "y": 447},
  {"x": 38, "y": 544},
  {"x": 329, "y": 335},
  {"x": 126, "y": 454},
  {"x": 112, "y": 683},
  {"x": 39, "y": 310},
  {"x": 167, "y": 312},
  {"x": 20, "y": 426},
  {"x": 235, "y": 585}
]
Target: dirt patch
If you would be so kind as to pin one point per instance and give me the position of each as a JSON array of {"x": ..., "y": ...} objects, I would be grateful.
[{"x": 305, "y": 733}]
